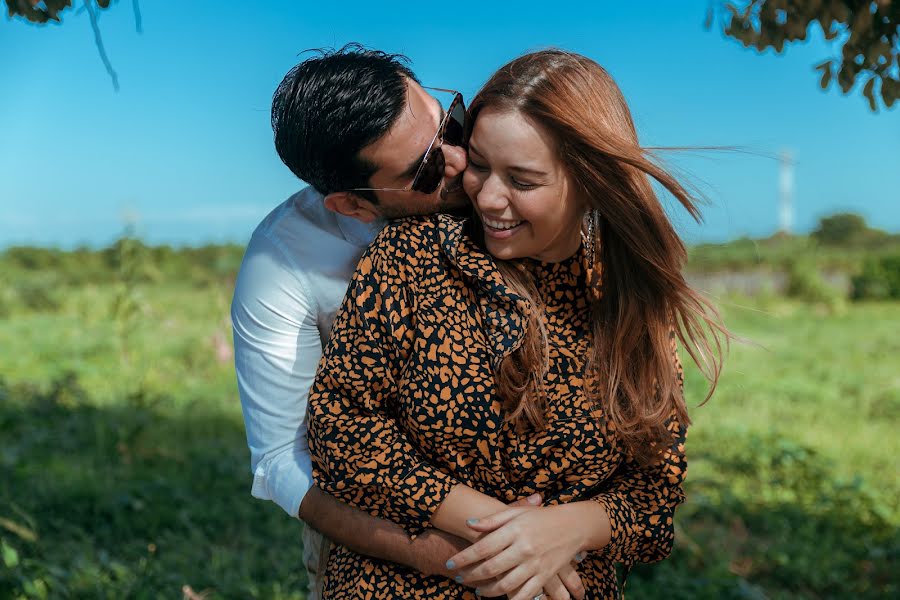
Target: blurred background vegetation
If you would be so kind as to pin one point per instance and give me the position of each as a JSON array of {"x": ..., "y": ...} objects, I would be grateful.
[{"x": 125, "y": 468}]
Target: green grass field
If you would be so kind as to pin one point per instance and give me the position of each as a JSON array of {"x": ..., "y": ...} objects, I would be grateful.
[{"x": 125, "y": 471}]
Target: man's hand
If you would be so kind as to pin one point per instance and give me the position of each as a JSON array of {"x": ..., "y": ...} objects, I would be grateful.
[{"x": 430, "y": 551}]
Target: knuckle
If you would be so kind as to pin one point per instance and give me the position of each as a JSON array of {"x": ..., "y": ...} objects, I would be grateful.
[
  {"x": 480, "y": 574},
  {"x": 501, "y": 588},
  {"x": 507, "y": 585}
]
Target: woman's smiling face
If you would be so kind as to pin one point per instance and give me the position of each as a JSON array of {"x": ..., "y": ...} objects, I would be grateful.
[{"x": 521, "y": 190}]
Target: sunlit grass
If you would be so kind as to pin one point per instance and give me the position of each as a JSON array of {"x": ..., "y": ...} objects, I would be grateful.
[{"x": 133, "y": 471}]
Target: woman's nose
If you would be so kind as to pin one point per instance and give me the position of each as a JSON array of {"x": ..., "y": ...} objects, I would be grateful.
[{"x": 490, "y": 197}]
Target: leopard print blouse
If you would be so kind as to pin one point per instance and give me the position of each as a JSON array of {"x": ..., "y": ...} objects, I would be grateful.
[{"x": 404, "y": 407}]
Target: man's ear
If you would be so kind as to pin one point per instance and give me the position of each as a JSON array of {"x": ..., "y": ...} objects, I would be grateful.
[{"x": 351, "y": 205}]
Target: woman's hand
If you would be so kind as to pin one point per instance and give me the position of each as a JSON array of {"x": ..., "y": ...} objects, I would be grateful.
[
  {"x": 564, "y": 585},
  {"x": 523, "y": 550}
]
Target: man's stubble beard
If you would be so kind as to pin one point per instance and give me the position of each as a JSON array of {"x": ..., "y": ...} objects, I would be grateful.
[
  {"x": 453, "y": 197},
  {"x": 450, "y": 199}
]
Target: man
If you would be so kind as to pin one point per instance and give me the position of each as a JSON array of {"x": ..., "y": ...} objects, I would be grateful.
[{"x": 359, "y": 128}]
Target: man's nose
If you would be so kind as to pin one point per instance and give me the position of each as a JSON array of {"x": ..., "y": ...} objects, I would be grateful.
[{"x": 454, "y": 160}]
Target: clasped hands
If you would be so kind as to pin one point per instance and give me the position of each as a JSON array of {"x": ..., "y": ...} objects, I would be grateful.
[{"x": 522, "y": 552}]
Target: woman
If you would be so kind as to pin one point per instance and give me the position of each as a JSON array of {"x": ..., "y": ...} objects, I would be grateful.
[{"x": 476, "y": 362}]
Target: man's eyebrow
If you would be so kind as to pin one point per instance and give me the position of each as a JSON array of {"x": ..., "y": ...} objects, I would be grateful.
[{"x": 413, "y": 167}]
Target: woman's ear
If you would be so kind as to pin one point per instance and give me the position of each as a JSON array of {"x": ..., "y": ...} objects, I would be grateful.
[{"x": 351, "y": 205}]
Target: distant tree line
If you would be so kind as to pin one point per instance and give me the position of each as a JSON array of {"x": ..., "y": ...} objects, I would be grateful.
[
  {"x": 199, "y": 265},
  {"x": 36, "y": 276},
  {"x": 879, "y": 276}
]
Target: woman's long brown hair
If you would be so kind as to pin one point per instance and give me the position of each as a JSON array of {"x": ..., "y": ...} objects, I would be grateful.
[{"x": 645, "y": 297}]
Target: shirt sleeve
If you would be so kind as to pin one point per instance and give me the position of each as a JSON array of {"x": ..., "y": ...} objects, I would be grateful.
[
  {"x": 640, "y": 500},
  {"x": 361, "y": 453},
  {"x": 277, "y": 347}
]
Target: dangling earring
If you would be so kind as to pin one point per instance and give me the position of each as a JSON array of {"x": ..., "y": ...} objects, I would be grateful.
[
  {"x": 587, "y": 238},
  {"x": 589, "y": 241}
]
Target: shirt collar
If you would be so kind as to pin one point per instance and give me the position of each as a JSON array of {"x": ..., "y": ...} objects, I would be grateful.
[{"x": 358, "y": 233}]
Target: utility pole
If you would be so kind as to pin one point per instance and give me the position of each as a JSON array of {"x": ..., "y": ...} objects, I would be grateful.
[{"x": 785, "y": 191}]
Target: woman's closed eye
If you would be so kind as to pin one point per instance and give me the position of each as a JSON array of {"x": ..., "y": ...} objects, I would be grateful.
[
  {"x": 522, "y": 185},
  {"x": 517, "y": 183},
  {"x": 476, "y": 166}
]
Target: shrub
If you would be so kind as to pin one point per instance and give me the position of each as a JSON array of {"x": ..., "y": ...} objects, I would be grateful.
[
  {"x": 39, "y": 295},
  {"x": 806, "y": 283},
  {"x": 770, "y": 519},
  {"x": 879, "y": 279},
  {"x": 839, "y": 229}
]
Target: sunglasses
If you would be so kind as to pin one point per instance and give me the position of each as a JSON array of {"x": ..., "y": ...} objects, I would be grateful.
[{"x": 452, "y": 130}]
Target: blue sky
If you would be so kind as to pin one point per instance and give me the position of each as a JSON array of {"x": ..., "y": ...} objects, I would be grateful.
[{"x": 185, "y": 147}]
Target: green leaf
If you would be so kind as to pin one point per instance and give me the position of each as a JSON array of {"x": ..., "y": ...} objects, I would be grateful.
[
  {"x": 36, "y": 588},
  {"x": 20, "y": 530},
  {"x": 9, "y": 554}
]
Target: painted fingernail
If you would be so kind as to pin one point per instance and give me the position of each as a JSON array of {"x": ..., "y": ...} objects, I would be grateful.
[
  {"x": 472, "y": 522},
  {"x": 580, "y": 556},
  {"x": 458, "y": 579},
  {"x": 478, "y": 592},
  {"x": 451, "y": 565}
]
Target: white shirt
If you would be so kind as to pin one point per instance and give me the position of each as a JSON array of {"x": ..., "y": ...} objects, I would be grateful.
[{"x": 291, "y": 283}]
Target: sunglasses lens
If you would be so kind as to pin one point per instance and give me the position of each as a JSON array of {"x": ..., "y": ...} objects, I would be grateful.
[
  {"x": 431, "y": 174},
  {"x": 454, "y": 131}
]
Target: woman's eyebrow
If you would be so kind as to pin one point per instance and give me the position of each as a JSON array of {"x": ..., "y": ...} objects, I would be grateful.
[
  {"x": 518, "y": 169},
  {"x": 528, "y": 170}
]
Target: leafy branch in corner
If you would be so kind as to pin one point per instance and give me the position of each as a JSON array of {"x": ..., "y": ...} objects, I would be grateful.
[
  {"x": 867, "y": 33},
  {"x": 41, "y": 12}
]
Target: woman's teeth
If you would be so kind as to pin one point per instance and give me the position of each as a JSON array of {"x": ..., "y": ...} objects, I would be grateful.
[{"x": 501, "y": 225}]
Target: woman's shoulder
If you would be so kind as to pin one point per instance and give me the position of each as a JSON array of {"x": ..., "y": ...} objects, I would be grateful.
[
  {"x": 404, "y": 243},
  {"x": 408, "y": 232}
]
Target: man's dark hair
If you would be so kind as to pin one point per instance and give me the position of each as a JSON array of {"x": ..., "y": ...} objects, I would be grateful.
[{"x": 331, "y": 106}]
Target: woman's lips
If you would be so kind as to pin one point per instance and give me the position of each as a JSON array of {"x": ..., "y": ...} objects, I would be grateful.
[{"x": 502, "y": 234}]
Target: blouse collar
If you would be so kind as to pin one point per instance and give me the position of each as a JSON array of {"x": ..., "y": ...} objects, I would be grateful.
[{"x": 505, "y": 313}]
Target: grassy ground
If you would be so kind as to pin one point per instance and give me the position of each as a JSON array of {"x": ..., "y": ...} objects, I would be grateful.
[
  {"x": 793, "y": 487},
  {"x": 125, "y": 470}
]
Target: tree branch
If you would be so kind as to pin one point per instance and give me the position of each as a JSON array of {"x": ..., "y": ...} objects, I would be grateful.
[
  {"x": 136, "y": 7},
  {"x": 98, "y": 40}
]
